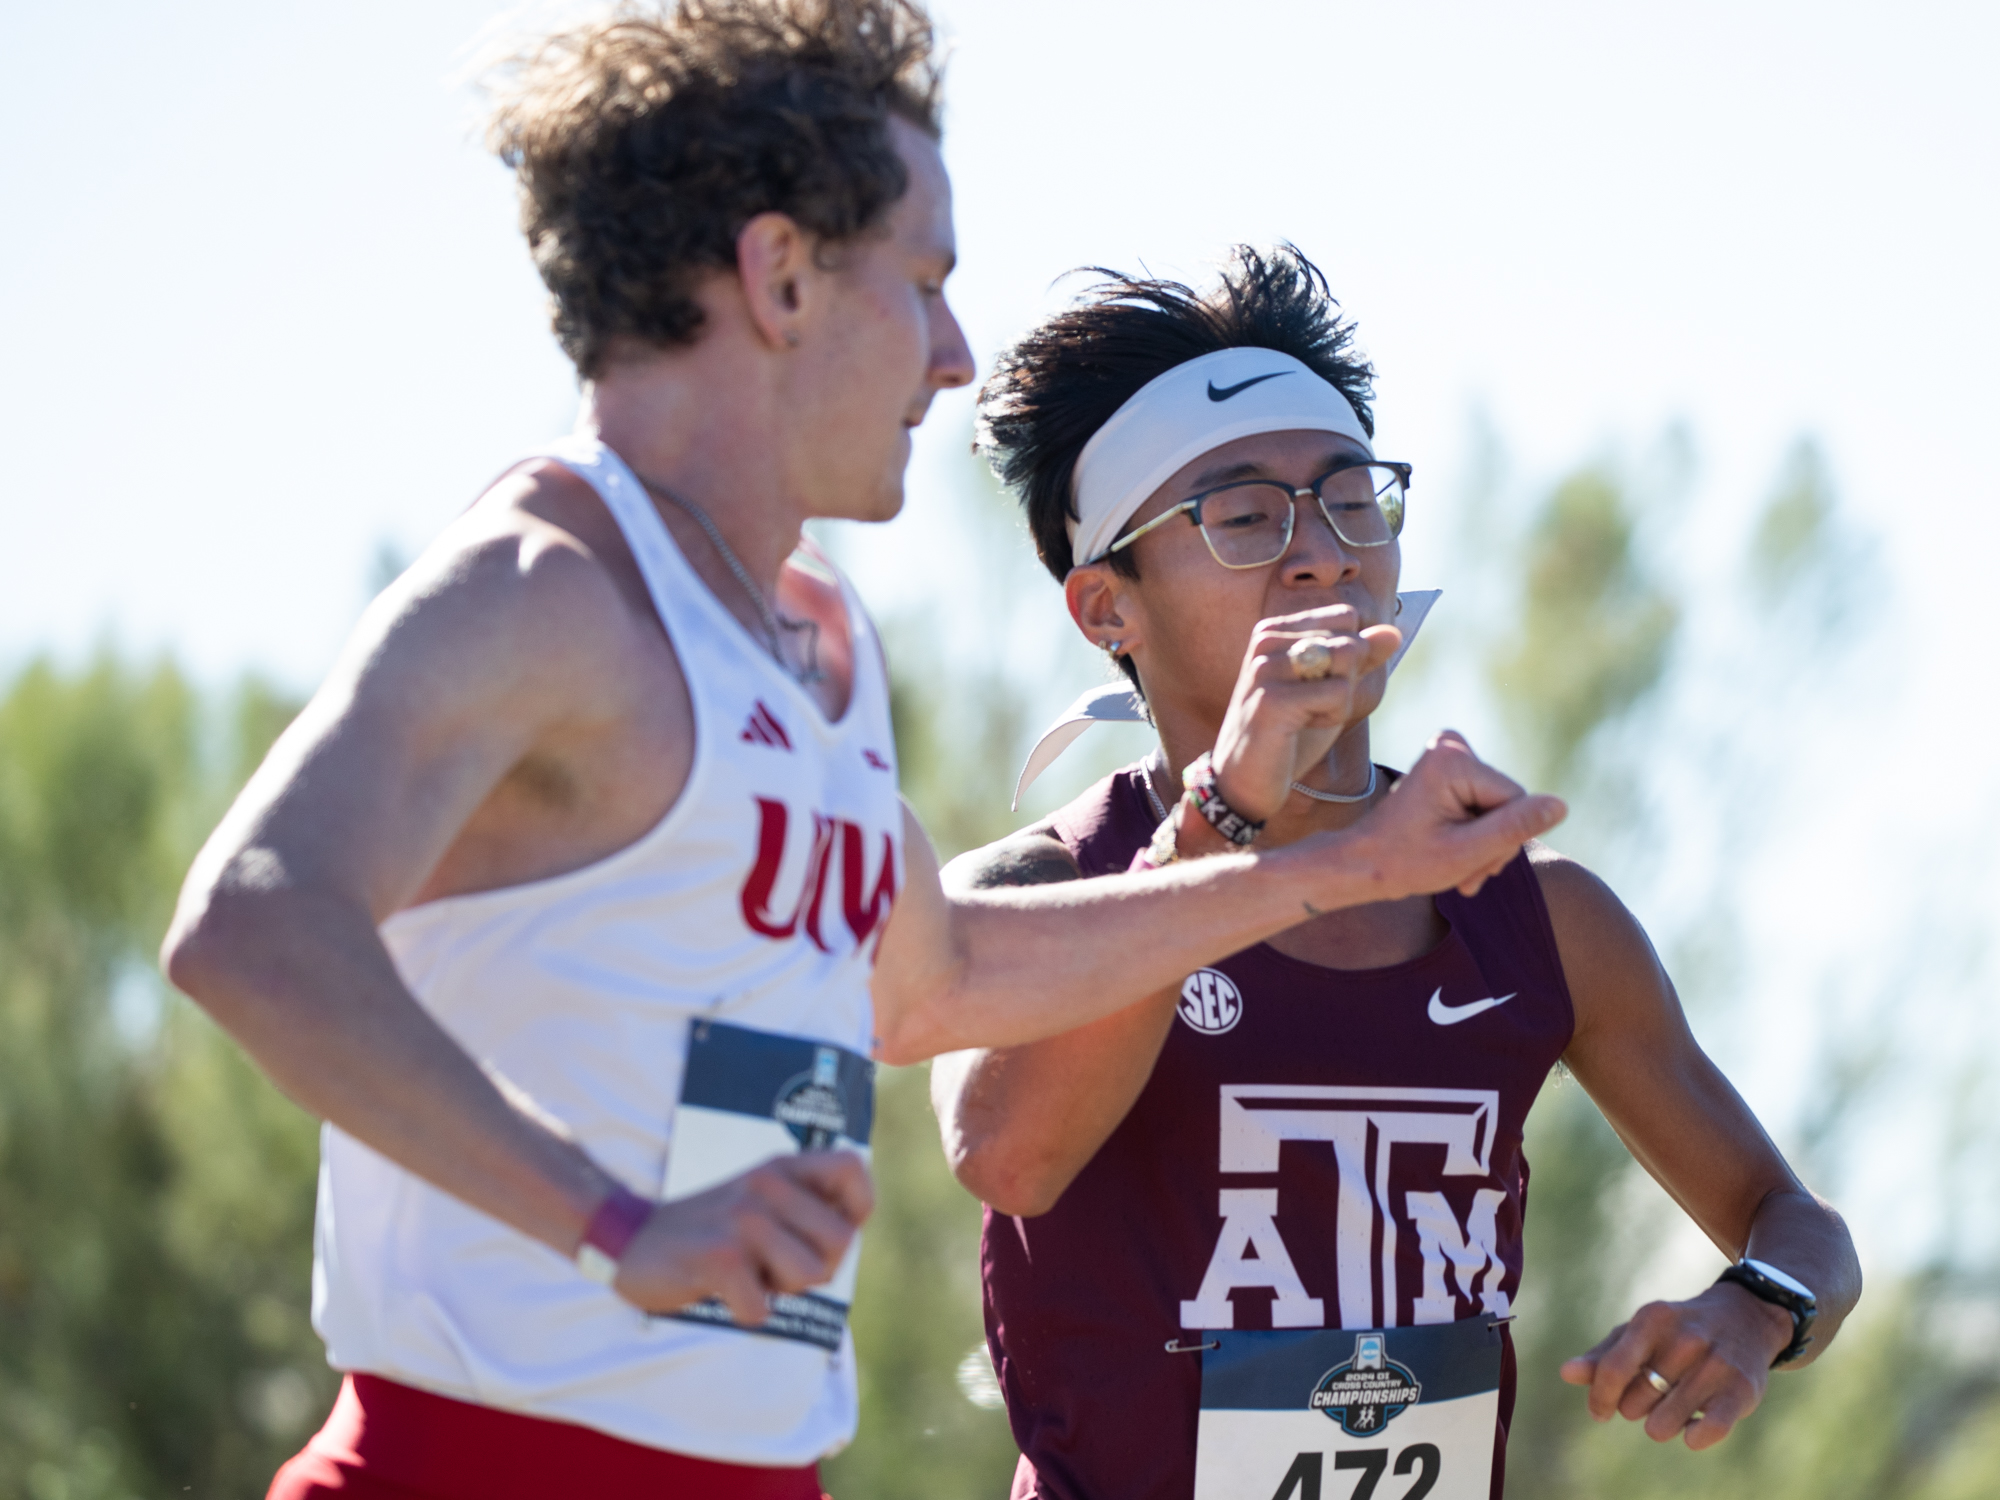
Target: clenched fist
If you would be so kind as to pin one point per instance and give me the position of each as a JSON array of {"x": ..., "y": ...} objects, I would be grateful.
[
  {"x": 1452, "y": 823},
  {"x": 781, "y": 1227}
]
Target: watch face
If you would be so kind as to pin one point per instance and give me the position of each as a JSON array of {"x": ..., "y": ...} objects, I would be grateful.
[{"x": 1790, "y": 1284}]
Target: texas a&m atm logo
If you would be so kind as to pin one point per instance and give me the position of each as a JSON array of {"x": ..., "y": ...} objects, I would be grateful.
[
  {"x": 786, "y": 896},
  {"x": 1363, "y": 1128}
]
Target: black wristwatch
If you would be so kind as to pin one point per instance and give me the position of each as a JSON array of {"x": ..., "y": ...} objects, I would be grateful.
[{"x": 1765, "y": 1281}]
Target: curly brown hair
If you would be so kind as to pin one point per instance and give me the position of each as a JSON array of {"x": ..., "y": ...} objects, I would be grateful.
[{"x": 645, "y": 141}]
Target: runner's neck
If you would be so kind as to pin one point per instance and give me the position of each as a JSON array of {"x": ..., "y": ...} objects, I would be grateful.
[
  {"x": 702, "y": 435},
  {"x": 1182, "y": 740}
]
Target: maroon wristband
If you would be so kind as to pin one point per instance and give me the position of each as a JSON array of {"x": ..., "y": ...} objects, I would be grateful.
[{"x": 618, "y": 1220}]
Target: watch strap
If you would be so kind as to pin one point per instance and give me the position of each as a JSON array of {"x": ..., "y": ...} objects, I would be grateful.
[{"x": 1804, "y": 1309}]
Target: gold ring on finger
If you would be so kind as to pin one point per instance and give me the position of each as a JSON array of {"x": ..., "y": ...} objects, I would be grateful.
[
  {"x": 1311, "y": 658},
  {"x": 1656, "y": 1380}
]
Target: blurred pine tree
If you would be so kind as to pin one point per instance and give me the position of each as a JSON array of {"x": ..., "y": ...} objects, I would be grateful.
[
  {"x": 155, "y": 1195},
  {"x": 1588, "y": 646},
  {"x": 1897, "y": 1408}
]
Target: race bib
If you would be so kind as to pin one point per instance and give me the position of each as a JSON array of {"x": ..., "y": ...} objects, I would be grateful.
[
  {"x": 1333, "y": 1414},
  {"x": 746, "y": 1097}
]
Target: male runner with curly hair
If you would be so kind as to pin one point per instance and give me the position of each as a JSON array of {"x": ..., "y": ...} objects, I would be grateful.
[{"x": 579, "y": 896}]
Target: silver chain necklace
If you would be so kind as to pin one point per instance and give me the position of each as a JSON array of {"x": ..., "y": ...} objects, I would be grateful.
[
  {"x": 774, "y": 627},
  {"x": 1160, "y": 808},
  {"x": 1341, "y": 797},
  {"x": 1146, "y": 780}
]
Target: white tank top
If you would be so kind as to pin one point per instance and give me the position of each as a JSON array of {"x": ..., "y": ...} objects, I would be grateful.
[{"x": 756, "y": 903}]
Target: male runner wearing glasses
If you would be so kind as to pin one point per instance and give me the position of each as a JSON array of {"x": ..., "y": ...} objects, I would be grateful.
[
  {"x": 571, "y": 890},
  {"x": 1265, "y": 1226}
]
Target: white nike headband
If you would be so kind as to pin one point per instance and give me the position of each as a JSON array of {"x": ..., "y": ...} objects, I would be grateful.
[{"x": 1175, "y": 418}]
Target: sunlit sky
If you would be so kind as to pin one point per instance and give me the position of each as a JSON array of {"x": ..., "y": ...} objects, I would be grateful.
[{"x": 266, "y": 308}]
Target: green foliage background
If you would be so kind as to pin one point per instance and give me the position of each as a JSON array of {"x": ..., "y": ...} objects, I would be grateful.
[{"x": 156, "y": 1194}]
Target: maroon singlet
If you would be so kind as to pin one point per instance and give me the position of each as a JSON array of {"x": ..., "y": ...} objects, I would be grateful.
[{"x": 1397, "y": 1194}]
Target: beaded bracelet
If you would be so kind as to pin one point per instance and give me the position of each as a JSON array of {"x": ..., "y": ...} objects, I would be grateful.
[{"x": 1199, "y": 779}]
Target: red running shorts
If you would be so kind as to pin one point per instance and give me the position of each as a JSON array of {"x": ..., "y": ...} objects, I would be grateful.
[{"x": 386, "y": 1441}]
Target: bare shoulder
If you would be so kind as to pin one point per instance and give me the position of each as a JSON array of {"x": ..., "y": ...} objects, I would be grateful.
[
  {"x": 1034, "y": 856},
  {"x": 543, "y": 544},
  {"x": 522, "y": 593},
  {"x": 1607, "y": 959},
  {"x": 1585, "y": 912},
  {"x": 1565, "y": 881}
]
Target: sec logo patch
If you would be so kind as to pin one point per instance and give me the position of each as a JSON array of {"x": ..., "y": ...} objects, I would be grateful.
[{"x": 1210, "y": 1002}]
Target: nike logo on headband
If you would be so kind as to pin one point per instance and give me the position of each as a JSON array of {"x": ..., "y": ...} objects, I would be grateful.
[{"x": 1242, "y": 385}]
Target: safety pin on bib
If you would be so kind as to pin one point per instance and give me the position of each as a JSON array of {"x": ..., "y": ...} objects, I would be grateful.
[{"x": 1175, "y": 1346}]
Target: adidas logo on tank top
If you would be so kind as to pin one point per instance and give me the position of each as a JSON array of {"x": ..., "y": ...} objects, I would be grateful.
[{"x": 753, "y": 906}]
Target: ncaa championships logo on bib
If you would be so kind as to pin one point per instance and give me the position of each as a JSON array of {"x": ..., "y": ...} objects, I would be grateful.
[
  {"x": 810, "y": 1106},
  {"x": 1210, "y": 1001},
  {"x": 1367, "y": 1392}
]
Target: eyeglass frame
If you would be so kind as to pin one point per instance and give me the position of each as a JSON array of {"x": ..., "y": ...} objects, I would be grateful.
[{"x": 1193, "y": 503}]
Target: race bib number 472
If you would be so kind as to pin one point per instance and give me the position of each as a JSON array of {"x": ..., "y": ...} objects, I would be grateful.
[
  {"x": 1341, "y": 1414},
  {"x": 746, "y": 1097}
]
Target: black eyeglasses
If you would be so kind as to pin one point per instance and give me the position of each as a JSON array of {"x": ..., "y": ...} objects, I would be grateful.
[{"x": 1248, "y": 524}]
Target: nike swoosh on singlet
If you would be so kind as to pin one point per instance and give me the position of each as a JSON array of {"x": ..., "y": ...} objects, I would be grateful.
[
  {"x": 1242, "y": 385},
  {"x": 1451, "y": 1015}
]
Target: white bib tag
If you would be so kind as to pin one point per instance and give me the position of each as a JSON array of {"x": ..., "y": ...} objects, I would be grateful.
[
  {"x": 746, "y": 1097},
  {"x": 1336, "y": 1414}
]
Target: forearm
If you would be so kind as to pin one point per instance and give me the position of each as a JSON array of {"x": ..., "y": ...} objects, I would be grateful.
[
  {"x": 1803, "y": 1236},
  {"x": 1000, "y": 968},
  {"x": 1120, "y": 937},
  {"x": 304, "y": 985},
  {"x": 1020, "y": 1123}
]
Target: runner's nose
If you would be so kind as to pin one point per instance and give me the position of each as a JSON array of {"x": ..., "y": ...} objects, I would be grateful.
[
  {"x": 951, "y": 356},
  {"x": 1316, "y": 553}
]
